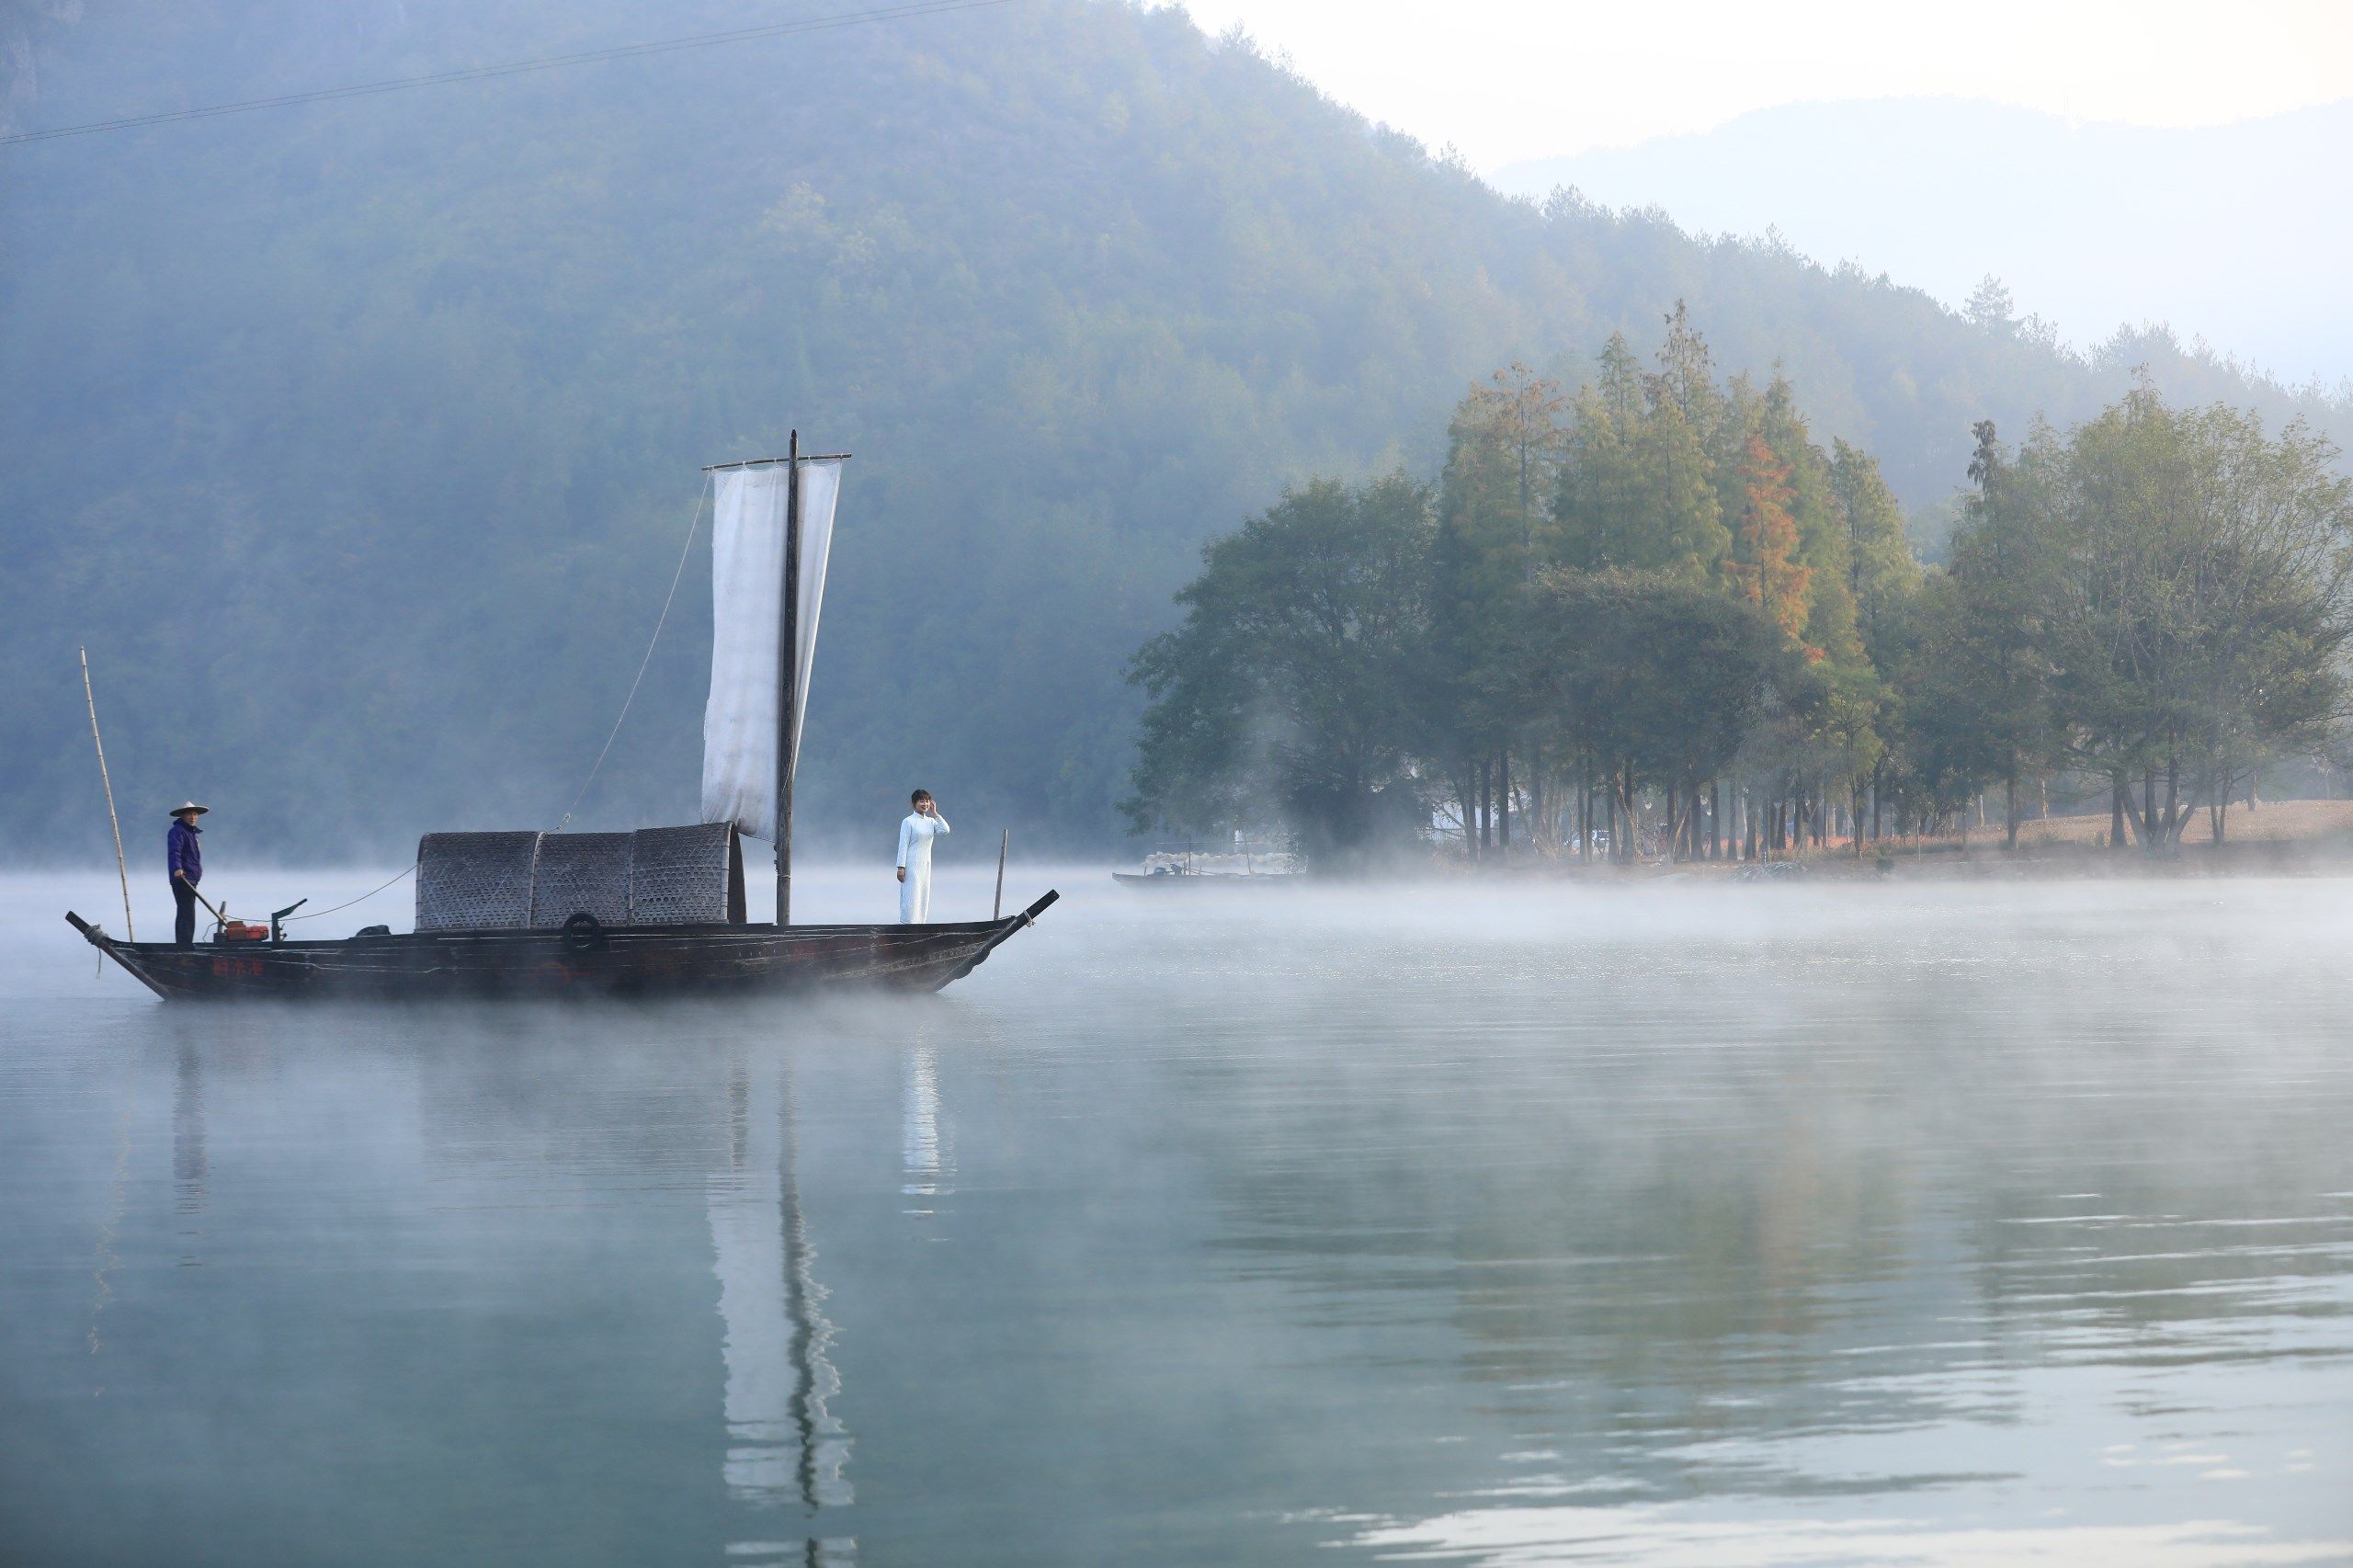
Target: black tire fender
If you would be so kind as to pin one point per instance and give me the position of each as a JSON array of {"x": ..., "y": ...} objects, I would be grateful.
[{"x": 583, "y": 932}]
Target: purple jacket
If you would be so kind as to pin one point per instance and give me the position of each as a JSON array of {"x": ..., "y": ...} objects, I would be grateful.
[{"x": 181, "y": 849}]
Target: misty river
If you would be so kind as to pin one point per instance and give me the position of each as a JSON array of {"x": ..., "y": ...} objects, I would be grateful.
[{"x": 1906, "y": 1222}]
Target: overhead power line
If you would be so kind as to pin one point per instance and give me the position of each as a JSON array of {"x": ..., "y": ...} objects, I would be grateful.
[{"x": 518, "y": 67}]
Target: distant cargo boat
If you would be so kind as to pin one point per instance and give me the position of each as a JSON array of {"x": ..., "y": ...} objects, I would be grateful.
[
  {"x": 1194, "y": 867},
  {"x": 1204, "y": 880},
  {"x": 1188, "y": 866},
  {"x": 656, "y": 912}
]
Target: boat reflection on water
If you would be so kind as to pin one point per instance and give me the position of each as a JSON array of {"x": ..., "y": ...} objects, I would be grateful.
[
  {"x": 190, "y": 1166},
  {"x": 786, "y": 1447},
  {"x": 927, "y": 1158}
]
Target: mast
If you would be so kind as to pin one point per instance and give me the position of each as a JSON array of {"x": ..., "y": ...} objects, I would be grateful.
[{"x": 787, "y": 650}]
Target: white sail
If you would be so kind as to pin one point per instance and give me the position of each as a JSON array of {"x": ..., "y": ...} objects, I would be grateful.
[{"x": 739, "y": 724}]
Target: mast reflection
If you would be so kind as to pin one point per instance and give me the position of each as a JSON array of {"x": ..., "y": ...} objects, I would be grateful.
[{"x": 785, "y": 1446}]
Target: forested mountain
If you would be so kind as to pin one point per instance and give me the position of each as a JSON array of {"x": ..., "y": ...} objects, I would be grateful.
[{"x": 358, "y": 440}]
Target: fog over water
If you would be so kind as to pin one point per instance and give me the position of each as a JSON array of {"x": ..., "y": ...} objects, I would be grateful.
[{"x": 1907, "y": 1222}]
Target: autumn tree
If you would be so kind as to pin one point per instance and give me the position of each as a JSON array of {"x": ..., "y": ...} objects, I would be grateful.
[{"x": 1765, "y": 542}]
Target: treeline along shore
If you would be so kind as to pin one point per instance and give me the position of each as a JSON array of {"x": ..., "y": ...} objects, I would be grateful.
[{"x": 1654, "y": 617}]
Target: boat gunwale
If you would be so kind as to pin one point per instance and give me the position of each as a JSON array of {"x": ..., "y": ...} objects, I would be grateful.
[
  {"x": 725, "y": 942},
  {"x": 611, "y": 934}
]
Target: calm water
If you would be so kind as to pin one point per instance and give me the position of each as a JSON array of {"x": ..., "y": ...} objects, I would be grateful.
[{"x": 1899, "y": 1225}]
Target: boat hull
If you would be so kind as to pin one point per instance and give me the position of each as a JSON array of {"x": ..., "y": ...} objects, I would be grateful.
[
  {"x": 1204, "y": 880},
  {"x": 636, "y": 961}
]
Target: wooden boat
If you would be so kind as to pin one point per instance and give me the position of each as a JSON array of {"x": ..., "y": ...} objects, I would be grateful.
[
  {"x": 1202, "y": 881},
  {"x": 678, "y": 961},
  {"x": 1171, "y": 872},
  {"x": 655, "y": 912}
]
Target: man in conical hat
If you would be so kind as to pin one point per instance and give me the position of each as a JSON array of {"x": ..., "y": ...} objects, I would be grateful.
[{"x": 186, "y": 857}]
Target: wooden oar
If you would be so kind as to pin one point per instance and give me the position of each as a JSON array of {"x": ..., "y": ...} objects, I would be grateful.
[{"x": 217, "y": 917}]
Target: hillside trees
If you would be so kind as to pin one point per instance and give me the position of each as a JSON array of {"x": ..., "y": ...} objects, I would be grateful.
[
  {"x": 1649, "y": 680},
  {"x": 1297, "y": 690},
  {"x": 1634, "y": 592},
  {"x": 1497, "y": 527},
  {"x": 1765, "y": 564},
  {"x": 1728, "y": 491},
  {"x": 2156, "y": 600},
  {"x": 1882, "y": 570},
  {"x": 1994, "y": 671},
  {"x": 1659, "y": 602},
  {"x": 2201, "y": 618},
  {"x": 1636, "y": 485}
]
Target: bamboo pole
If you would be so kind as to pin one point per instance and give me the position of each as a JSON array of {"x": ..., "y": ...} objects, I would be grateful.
[
  {"x": 1003, "y": 845},
  {"x": 120, "y": 868},
  {"x": 765, "y": 462}
]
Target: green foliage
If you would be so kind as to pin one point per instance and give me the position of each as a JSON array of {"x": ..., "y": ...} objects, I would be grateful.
[
  {"x": 2157, "y": 590},
  {"x": 1988, "y": 697},
  {"x": 1297, "y": 687},
  {"x": 2159, "y": 595},
  {"x": 1598, "y": 640},
  {"x": 1652, "y": 674},
  {"x": 1503, "y": 450},
  {"x": 1882, "y": 569},
  {"x": 2203, "y": 610},
  {"x": 1637, "y": 491},
  {"x": 1822, "y": 545}
]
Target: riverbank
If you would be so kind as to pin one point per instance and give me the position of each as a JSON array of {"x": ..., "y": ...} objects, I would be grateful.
[{"x": 2285, "y": 838}]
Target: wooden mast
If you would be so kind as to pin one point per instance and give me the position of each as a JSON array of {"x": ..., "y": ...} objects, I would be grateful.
[{"x": 788, "y": 671}]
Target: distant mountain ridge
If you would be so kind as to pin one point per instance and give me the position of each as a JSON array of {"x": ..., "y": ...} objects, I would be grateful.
[
  {"x": 2235, "y": 233},
  {"x": 359, "y": 441}
]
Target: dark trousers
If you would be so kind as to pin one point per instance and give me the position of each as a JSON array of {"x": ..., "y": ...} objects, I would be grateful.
[{"x": 184, "y": 920}]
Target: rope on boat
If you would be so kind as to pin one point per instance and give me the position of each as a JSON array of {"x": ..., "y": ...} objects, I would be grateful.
[
  {"x": 693, "y": 524},
  {"x": 348, "y": 902}
]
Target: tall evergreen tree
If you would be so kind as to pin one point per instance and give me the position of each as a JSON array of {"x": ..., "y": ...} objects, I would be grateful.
[
  {"x": 1637, "y": 483},
  {"x": 1497, "y": 529},
  {"x": 1882, "y": 570}
]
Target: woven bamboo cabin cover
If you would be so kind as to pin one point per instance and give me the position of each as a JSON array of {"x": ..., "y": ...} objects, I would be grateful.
[{"x": 536, "y": 882}]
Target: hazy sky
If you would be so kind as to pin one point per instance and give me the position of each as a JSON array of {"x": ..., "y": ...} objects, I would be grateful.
[{"x": 1505, "y": 80}]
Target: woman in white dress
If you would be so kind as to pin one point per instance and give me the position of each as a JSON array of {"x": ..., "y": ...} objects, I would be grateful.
[{"x": 923, "y": 824}]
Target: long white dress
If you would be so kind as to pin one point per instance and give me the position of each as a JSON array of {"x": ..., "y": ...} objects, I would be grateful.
[{"x": 916, "y": 835}]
